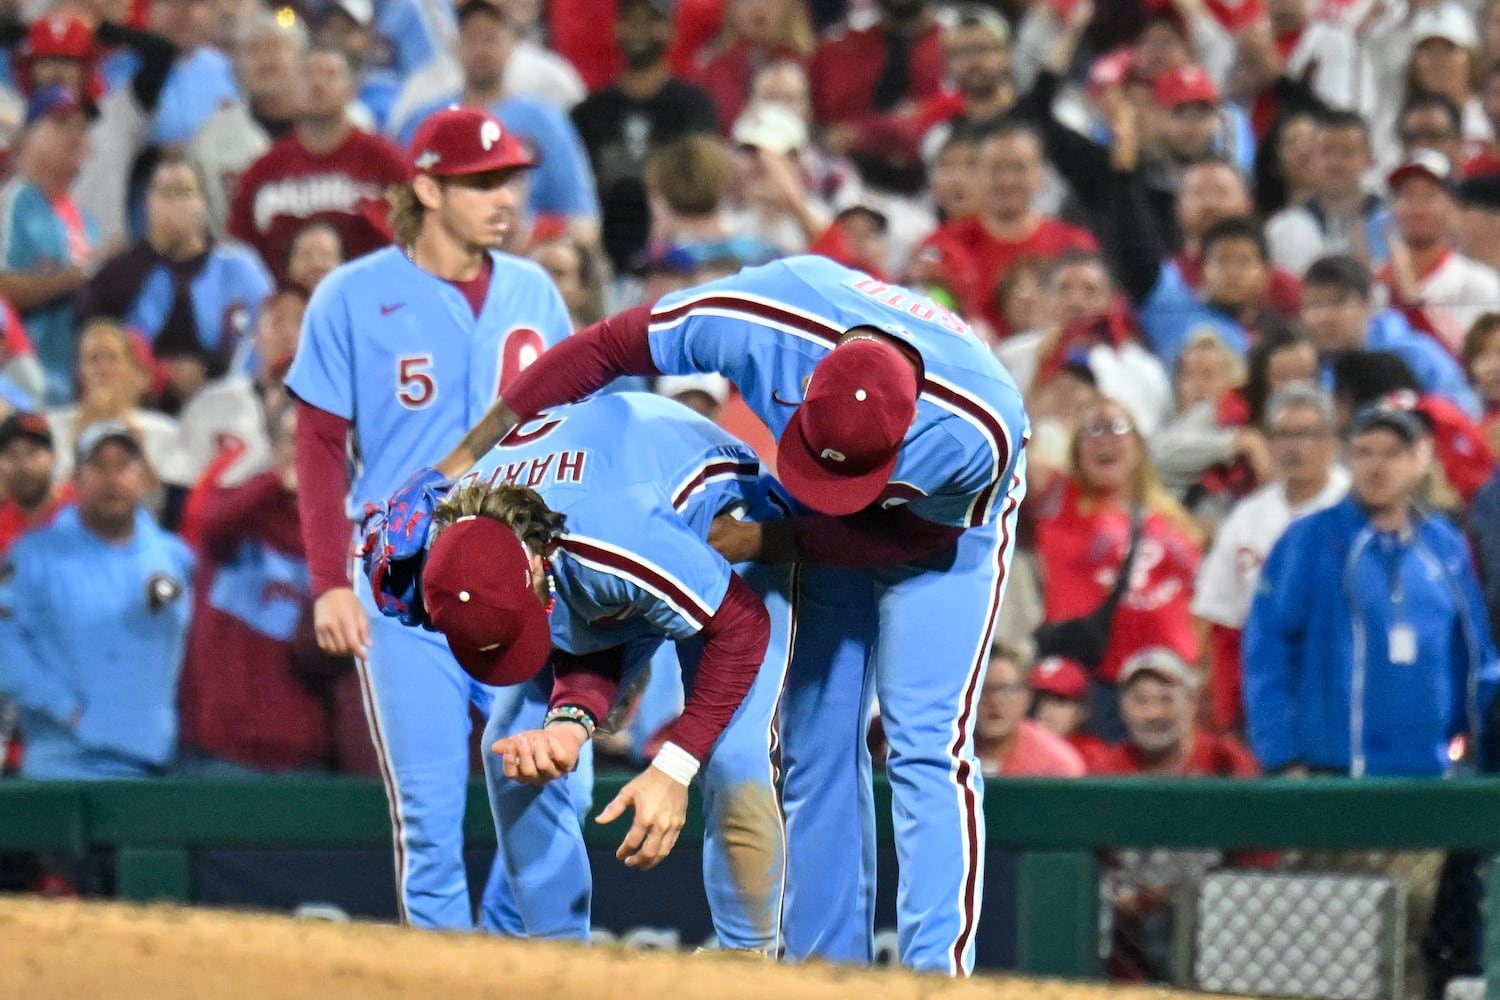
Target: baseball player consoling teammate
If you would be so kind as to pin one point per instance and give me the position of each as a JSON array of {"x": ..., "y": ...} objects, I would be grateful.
[
  {"x": 402, "y": 349},
  {"x": 902, "y": 439},
  {"x": 585, "y": 536}
]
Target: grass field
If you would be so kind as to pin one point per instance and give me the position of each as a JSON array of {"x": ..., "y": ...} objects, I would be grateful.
[{"x": 98, "y": 951}]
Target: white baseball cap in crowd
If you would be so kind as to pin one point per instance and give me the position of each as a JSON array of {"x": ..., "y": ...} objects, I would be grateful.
[
  {"x": 1447, "y": 21},
  {"x": 1161, "y": 662},
  {"x": 771, "y": 127}
]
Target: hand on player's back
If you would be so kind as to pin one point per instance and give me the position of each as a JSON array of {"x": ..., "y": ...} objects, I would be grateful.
[
  {"x": 660, "y": 802},
  {"x": 538, "y": 756}
]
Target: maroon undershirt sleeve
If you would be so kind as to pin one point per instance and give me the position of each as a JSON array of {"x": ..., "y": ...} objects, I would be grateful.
[
  {"x": 870, "y": 539},
  {"x": 584, "y": 363},
  {"x": 590, "y": 682},
  {"x": 322, "y": 485},
  {"x": 735, "y": 644}
]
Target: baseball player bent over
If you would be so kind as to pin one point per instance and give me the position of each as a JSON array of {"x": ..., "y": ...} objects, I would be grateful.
[
  {"x": 902, "y": 439},
  {"x": 402, "y": 348},
  {"x": 584, "y": 535}
]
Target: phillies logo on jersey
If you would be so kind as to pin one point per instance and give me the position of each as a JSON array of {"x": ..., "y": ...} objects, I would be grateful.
[{"x": 304, "y": 196}]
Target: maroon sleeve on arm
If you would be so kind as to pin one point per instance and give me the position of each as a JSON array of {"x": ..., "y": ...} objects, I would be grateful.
[
  {"x": 322, "y": 485},
  {"x": 229, "y": 515},
  {"x": 590, "y": 682},
  {"x": 585, "y": 362},
  {"x": 870, "y": 539},
  {"x": 735, "y": 641}
]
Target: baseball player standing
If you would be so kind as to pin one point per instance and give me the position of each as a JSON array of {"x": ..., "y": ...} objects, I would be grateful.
[
  {"x": 402, "y": 348},
  {"x": 903, "y": 438}
]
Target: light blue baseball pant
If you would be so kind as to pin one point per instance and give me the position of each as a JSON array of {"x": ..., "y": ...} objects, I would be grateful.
[
  {"x": 541, "y": 837},
  {"x": 417, "y": 701},
  {"x": 917, "y": 637}
]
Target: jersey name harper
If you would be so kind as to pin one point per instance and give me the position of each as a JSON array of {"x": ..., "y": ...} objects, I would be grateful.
[{"x": 553, "y": 467}]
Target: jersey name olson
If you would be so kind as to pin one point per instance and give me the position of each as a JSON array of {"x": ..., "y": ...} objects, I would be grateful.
[{"x": 554, "y": 467}]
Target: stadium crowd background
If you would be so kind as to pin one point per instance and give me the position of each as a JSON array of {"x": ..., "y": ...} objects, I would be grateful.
[{"x": 1202, "y": 234}]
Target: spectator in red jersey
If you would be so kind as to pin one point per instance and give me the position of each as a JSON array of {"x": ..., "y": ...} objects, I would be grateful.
[
  {"x": 1159, "y": 702},
  {"x": 1481, "y": 360},
  {"x": 890, "y": 65},
  {"x": 1006, "y": 742},
  {"x": 29, "y": 492},
  {"x": 1085, "y": 521},
  {"x": 325, "y": 169},
  {"x": 755, "y": 33},
  {"x": 1008, "y": 226},
  {"x": 256, "y": 695},
  {"x": 1060, "y": 703},
  {"x": 1159, "y": 706}
]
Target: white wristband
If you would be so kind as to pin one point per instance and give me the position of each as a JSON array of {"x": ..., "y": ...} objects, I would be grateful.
[{"x": 676, "y": 763}]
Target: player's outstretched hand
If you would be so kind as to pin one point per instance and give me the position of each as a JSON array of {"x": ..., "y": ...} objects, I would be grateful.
[
  {"x": 538, "y": 756},
  {"x": 341, "y": 624},
  {"x": 660, "y": 802}
]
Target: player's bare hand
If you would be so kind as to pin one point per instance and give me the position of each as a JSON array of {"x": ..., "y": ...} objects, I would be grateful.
[
  {"x": 341, "y": 624},
  {"x": 737, "y": 541},
  {"x": 538, "y": 756},
  {"x": 660, "y": 803}
]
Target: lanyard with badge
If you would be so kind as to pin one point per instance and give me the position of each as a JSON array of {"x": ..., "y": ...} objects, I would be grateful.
[{"x": 1402, "y": 638}]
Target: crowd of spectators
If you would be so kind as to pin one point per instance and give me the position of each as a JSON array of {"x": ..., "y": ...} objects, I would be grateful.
[{"x": 1241, "y": 258}]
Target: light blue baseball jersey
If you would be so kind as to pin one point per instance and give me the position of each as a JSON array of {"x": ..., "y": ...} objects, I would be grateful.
[
  {"x": 399, "y": 353},
  {"x": 640, "y": 478},
  {"x": 767, "y": 327}
]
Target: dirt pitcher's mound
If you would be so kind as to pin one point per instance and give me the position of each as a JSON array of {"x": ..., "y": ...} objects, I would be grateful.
[{"x": 96, "y": 951}]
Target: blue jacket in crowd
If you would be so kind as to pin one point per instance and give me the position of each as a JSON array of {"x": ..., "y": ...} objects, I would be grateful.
[
  {"x": 96, "y": 630},
  {"x": 1327, "y": 683}
]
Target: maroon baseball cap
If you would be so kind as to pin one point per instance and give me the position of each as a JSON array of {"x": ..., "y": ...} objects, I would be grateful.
[
  {"x": 1060, "y": 676},
  {"x": 838, "y": 450},
  {"x": 457, "y": 141},
  {"x": 477, "y": 587}
]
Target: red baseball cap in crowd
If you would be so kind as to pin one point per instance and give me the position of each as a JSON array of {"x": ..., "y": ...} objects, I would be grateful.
[
  {"x": 59, "y": 35},
  {"x": 838, "y": 450},
  {"x": 458, "y": 141},
  {"x": 1059, "y": 676},
  {"x": 1428, "y": 163},
  {"x": 476, "y": 584},
  {"x": 1182, "y": 85}
]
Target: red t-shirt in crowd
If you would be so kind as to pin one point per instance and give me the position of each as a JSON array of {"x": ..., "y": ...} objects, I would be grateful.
[
  {"x": 289, "y": 186},
  {"x": 14, "y": 523},
  {"x": 988, "y": 259},
  {"x": 1082, "y": 547},
  {"x": 1037, "y": 753},
  {"x": 1210, "y": 756},
  {"x": 847, "y": 65}
]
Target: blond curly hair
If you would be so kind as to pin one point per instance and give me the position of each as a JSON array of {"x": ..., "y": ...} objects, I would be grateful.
[{"x": 518, "y": 508}]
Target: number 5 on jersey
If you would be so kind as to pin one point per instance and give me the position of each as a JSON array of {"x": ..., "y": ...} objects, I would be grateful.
[{"x": 416, "y": 388}]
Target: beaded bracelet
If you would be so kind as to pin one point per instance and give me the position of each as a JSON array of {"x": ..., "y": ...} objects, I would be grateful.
[{"x": 571, "y": 713}]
